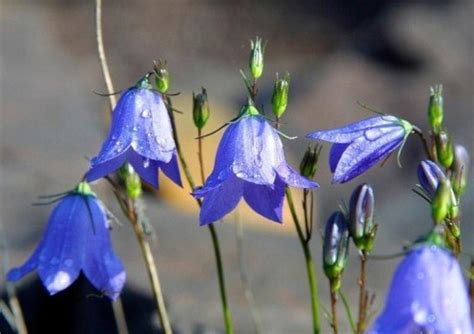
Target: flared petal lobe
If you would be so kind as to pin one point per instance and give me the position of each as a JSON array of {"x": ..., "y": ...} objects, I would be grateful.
[
  {"x": 140, "y": 133},
  {"x": 76, "y": 234},
  {"x": 428, "y": 294}
]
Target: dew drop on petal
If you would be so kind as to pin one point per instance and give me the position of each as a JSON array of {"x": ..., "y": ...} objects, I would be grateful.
[
  {"x": 420, "y": 275},
  {"x": 54, "y": 260},
  {"x": 146, "y": 113},
  {"x": 146, "y": 163},
  {"x": 68, "y": 262}
]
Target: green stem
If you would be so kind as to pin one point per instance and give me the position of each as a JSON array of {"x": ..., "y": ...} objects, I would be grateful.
[
  {"x": 215, "y": 241},
  {"x": 348, "y": 312},
  {"x": 362, "y": 295},
  {"x": 333, "y": 310},
  {"x": 312, "y": 279}
]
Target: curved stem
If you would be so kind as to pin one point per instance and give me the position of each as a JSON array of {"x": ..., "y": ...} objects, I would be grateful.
[
  {"x": 152, "y": 271},
  {"x": 348, "y": 311},
  {"x": 131, "y": 213},
  {"x": 215, "y": 241},
  {"x": 424, "y": 142},
  {"x": 312, "y": 279}
]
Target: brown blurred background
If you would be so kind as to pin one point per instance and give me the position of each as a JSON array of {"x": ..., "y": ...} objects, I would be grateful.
[{"x": 385, "y": 53}]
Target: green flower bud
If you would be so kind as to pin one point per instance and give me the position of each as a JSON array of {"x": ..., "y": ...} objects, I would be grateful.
[
  {"x": 309, "y": 163},
  {"x": 335, "y": 248},
  {"x": 256, "y": 58},
  {"x": 280, "y": 95},
  {"x": 162, "y": 76},
  {"x": 444, "y": 149},
  {"x": 132, "y": 181},
  {"x": 460, "y": 168},
  {"x": 441, "y": 203},
  {"x": 200, "y": 109},
  {"x": 361, "y": 217},
  {"x": 435, "y": 108}
]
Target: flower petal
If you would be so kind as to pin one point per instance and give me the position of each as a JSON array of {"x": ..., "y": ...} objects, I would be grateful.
[
  {"x": 101, "y": 266},
  {"x": 350, "y": 132},
  {"x": 266, "y": 200},
  {"x": 362, "y": 154},
  {"x": 335, "y": 155},
  {"x": 99, "y": 170},
  {"x": 293, "y": 178},
  {"x": 171, "y": 170},
  {"x": 152, "y": 131},
  {"x": 145, "y": 167},
  {"x": 221, "y": 200}
]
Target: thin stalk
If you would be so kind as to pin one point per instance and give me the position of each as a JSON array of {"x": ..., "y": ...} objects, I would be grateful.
[
  {"x": 424, "y": 142},
  {"x": 120, "y": 321},
  {"x": 215, "y": 241},
  {"x": 362, "y": 295},
  {"x": 144, "y": 245},
  {"x": 253, "y": 309},
  {"x": 200, "y": 156},
  {"x": 312, "y": 279},
  {"x": 152, "y": 270},
  {"x": 348, "y": 312},
  {"x": 333, "y": 310}
]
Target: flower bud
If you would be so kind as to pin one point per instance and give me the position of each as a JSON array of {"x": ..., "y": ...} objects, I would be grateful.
[
  {"x": 429, "y": 174},
  {"x": 200, "y": 109},
  {"x": 256, "y": 58},
  {"x": 133, "y": 185},
  {"x": 441, "y": 203},
  {"x": 435, "y": 108},
  {"x": 280, "y": 95},
  {"x": 460, "y": 169},
  {"x": 444, "y": 149},
  {"x": 335, "y": 248},
  {"x": 162, "y": 76},
  {"x": 361, "y": 217},
  {"x": 309, "y": 163}
]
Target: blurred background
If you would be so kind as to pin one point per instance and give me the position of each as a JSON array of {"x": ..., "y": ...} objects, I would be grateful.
[{"x": 385, "y": 53}]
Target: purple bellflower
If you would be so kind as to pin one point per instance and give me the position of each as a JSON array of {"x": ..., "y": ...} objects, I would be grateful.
[
  {"x": 76, "y": 239},
  {"x": 428, "y": 294},
  {"x": 250, "y": 163},
  {"x": 140, "y": 134},
  {"x": 360, "y": 145}
]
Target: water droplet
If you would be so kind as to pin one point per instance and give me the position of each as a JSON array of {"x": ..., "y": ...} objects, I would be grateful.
[
  {"x": 68, "y": 262},
  {"x": 420, "y": 275},
  {"x": 160, "y": 141},
  {"x": 54, "y": 261},
  {"x": 241, "y": 175},
  {"x": 431, "y": 318},
  {"x": 135, "y": 129},
  {"x": 146, "y": 163},
  {"x": 146, "y": 113}
]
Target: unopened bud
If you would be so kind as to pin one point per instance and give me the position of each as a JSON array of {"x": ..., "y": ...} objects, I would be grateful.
[
  {"x": 133, "y": 185},
  {"x": 429, "y": 174},
  {"x": 441, "y": 203},
  {"x": 335, "y": 248},
  {"x": 200, "y": 109},
  {"x": 361, "y": 217},
  {"x": 309, "y": 163},
  {"x": 280, "y": 95},
  {"x": 435, "y": 108},
  {"x": 162, "y": 76},
  {"x": 460, "y": 169},
  {"x": 256, "y": 58},
  {"x": 444, "y": 149}
]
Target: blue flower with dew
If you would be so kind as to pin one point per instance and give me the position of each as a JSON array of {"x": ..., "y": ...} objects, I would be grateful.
[
  {"x": 76, "y": 239},
  {"x": 428, "y": 294},
  {"x": 250, "y": 163},
  {"x": 360, "y": 145},
  {"x": 140, "y": 134}
]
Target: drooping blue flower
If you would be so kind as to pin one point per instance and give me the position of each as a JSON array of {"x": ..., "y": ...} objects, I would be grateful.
[
  {"x": 140, "y": 134},
  {"x": 76, "y": 239},
  {"x": 429, "y": 175},
  {"x": 360, "y": 145},
  {"x": 428, "y": 294},
  {"x": 250, "y": 163}
]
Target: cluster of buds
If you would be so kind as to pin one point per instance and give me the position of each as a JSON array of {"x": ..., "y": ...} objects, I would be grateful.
[{"x": 335, "y": 249}]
